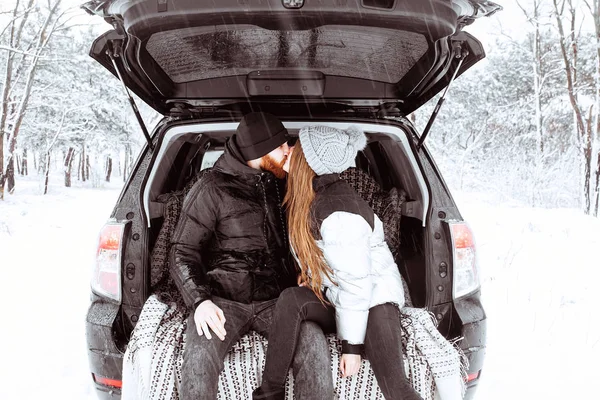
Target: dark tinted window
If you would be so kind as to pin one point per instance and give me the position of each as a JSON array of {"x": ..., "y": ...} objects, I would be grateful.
[{"x": 378, "y": 54}]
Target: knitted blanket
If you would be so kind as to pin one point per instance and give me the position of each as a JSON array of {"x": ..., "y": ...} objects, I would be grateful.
[{"x": 152, "y": 362}]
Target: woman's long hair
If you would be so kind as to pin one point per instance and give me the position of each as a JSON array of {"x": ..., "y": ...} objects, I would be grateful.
[{"x": 298, "y": 199}]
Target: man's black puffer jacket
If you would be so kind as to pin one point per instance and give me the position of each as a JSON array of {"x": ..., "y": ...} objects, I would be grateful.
[{"x": 231, "y": 238}]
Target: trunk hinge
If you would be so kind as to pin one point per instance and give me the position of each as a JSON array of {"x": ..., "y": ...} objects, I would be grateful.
[
  {"x": 117, "y": 52},
  {"x": 461, "y": 54}
]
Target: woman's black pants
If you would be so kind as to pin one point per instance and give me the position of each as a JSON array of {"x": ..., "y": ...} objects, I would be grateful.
[{"x": 383, "y": 346}]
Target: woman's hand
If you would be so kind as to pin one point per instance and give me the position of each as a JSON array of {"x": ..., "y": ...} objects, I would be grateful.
[
  {"x": 349, "y": 364},
  {"x": 300, "y": 281}
]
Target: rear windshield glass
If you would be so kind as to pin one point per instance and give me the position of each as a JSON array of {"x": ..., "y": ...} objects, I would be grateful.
[
  {"x": 377, "y": 54},
  {"x": 210, "y": 157}
]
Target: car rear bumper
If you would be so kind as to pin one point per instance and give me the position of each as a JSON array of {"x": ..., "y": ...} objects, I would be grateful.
[
  {"x": 105, "y": 358},
  {"x": 475, "y": 357},
  {"x": 474, "y": 331},
  {"x": 104, "y": 393}
]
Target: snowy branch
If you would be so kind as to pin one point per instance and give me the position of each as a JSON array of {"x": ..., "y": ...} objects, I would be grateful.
[
  {"x": 61, "y": 124},
  {"x": 13, "y": 50}
]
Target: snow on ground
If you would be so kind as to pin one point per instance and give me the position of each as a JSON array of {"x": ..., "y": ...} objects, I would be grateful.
[
  {"x": 540, "y": 274},
  {"x": 47, "y": 244},
  {"x": 539, "y": 267}
]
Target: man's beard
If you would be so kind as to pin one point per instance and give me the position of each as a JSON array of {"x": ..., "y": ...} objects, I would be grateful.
[{"x": 268, "y": 163}]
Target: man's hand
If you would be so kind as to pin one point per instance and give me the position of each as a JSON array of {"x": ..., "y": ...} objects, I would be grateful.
[
  {"x": 349, "y": 364},
  {"x": 207, "y": 315}
]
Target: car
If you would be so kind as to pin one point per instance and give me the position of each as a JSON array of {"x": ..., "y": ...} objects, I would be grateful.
[{"x": 205, "y": 64}]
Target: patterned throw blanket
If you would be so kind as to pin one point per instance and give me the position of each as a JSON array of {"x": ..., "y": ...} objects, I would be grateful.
[{"x": 152, "y": 364}]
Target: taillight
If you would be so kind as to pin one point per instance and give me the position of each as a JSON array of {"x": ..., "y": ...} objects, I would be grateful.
[
  {"x": 473, "y": 376},
  {"x": 106, "y": 276},
  {"x": 116, "y": 383},
  {"x": 465, "y": 271}
]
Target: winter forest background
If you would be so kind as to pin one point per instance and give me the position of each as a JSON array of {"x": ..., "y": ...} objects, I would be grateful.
[
  {"x": 60, "y": 110},
  {"x": 517, "y": 141},
  {"x": 522, "y": 126}
]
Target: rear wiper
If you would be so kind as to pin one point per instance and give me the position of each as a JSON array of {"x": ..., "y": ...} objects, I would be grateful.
[
  {"x": 461, "y": 55},
  {"x": 113, "y": 56}
]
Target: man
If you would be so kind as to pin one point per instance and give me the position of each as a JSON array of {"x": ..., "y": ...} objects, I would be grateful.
[{"x": 230, "y": 260}]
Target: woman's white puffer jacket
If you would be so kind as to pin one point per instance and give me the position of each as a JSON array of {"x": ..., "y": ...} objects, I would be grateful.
[{"x": 353, "y": 244}]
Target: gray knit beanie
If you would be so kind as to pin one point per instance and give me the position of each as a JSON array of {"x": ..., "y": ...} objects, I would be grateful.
[{"x": 330, "y": 150}]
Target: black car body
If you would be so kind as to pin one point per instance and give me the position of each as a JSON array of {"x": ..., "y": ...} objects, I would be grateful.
[{"x": 335, "y": 62}]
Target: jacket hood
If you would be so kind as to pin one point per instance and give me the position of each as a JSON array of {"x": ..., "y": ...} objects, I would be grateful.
[{"x": 232, "y": 162}]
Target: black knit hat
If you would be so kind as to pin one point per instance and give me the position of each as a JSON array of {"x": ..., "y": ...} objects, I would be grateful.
[{"x": 258, "y": 134}]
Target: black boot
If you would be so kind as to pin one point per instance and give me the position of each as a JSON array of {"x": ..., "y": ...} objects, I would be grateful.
[{"x": 265, "y": 393}]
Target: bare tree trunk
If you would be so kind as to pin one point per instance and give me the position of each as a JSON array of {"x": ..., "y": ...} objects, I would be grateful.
[
  {"x": 82, "y": 164},
  {"x": 537, "y": 64},
  {"x": 42, "y": 163},
  {"x": 108, "y": 168},
  {"x": 19, "y": 165},
  {"x": 537, "y": 70},
  {"x": 24, "y": 170},
  {"x": 10, "y": 165},
  {"x": 588, "y": 158},
  {"x": 42, "y": 38},
  {"x": 2, "y": 179},
  {"x": 597, "y": 186},
  {"x": 79, "y": 167},
  {"x": 35, "y": 166},
  {"x": 87, "y": 167},
  {"x": 126, "y": 163},
  {"x": 68, "y": 165},
  {"x": 130, "y": 159},
  {"x": 15, "y": 33},
  {"x": 574, "y": 49},
  {"x": 47, "y": 172},
  {"x": 596, "y": 15},
  {"x": 585, "y": 141},
  {"x": 539, "y": 119},
  {"x": 595, "y": 11}
]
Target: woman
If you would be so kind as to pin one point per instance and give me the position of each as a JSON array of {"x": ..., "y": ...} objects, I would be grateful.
[{"x": 348, "y": 279}]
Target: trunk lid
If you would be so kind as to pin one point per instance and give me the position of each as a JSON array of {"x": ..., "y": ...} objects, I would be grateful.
[{"x": 207, "y": 53}]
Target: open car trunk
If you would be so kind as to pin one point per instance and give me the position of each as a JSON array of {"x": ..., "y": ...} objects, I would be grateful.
[
  {"x": 185, "y": 155},
  {"x": 187, "y": 149},
  {"x": 190, "y": 53}
]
